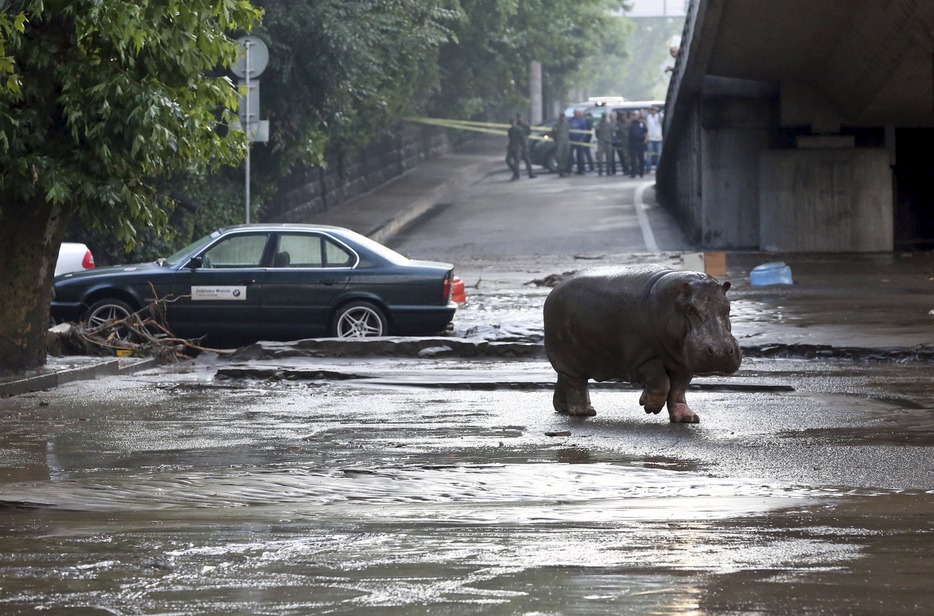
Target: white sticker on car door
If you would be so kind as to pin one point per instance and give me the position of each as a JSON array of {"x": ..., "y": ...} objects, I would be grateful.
[{"x": 232, "y": 293}]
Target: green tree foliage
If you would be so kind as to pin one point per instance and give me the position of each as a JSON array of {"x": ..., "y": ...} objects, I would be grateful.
[
  {"x": 343, "y": 72},
  {"x": 640, "y": 75},
  {"x": 101, "y": 98},
  {"x": 486, "y": 69}
]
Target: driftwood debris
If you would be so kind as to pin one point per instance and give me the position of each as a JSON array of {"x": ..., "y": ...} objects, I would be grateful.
[
  {"x": 551, "y": 279},
  {"x": 140, "y": 334}
]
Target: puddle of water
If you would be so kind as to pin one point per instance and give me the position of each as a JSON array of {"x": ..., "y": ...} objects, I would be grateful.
[{"x": 511, "y": 538}]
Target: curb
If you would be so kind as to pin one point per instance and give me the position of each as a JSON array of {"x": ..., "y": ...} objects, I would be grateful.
[{"x": 62, "y": 370}]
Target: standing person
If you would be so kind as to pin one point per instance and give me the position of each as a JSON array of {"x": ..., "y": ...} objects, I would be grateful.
[
  {"x": 638, "y": 133},
  {"x": 615, "y": 143},
  {"x": 526, "y": 130},
  {"x": 653, "y": 123},
  {"x": 588, "y": 154},
  {"x": 580, "y": 138},
  {"x": 561, "y": 134},
  {"x": 606, "y": 160},
  {"x": 514, "y": 148},
  {"x": 622, "y": 131}
]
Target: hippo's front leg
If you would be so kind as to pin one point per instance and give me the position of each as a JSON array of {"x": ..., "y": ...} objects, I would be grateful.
[
  {"x": 655, "y": 386},
  {"x": 678, "y": 410},
  {"x": 572, "y": 396}
]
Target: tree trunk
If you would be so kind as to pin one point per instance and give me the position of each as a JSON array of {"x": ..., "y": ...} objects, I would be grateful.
[{"x": 30, "y": 237}]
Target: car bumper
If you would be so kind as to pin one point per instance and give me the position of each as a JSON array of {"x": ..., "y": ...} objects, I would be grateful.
[
  {"x": 422, "y": 321},
  {"x": 62, "y": 312}
]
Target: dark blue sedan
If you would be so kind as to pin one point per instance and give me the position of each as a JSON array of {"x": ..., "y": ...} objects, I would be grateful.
[{"x": 272, "y": 282}]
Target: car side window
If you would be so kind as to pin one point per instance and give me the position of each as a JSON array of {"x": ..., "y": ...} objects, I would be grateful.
[
  {"x": 311, "y": 251},
  {"x": 236, "y": 251},
  {"x": 336, "y": 255},
  {"x": 298, "y": 251}
]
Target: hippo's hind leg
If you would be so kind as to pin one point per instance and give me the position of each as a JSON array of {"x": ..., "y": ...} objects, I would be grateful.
[
  {"x": 572, "y": 396},
  {"x": 560, "y": 399},
  {"x": 655, "y": 386},
  {"x": 678, "y": 409}
]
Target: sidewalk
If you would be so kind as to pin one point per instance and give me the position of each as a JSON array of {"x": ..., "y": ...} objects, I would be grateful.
[{"x": 382, "y": 212}]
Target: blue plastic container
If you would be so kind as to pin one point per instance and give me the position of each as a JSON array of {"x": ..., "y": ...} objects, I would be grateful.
[{"x": 770, "y": 273}]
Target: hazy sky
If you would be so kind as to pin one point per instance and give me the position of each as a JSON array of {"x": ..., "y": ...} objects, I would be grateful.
[{"x": 657, "y": 8}]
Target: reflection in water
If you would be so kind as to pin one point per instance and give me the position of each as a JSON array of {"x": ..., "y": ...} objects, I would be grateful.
[{"x": 597, "y": 536}]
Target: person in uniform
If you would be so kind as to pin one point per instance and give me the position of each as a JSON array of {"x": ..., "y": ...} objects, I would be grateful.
[
  {"x": 517, "y": 150},
  {"x": 561, "y": 134},
  {"x": 606, "y": 159},
  {"x": 637, "y": 137}
]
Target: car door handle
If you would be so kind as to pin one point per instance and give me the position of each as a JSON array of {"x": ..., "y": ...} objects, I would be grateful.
[
  {"x": 247, "y": 283},
  {"x": 329, "y": 283}
]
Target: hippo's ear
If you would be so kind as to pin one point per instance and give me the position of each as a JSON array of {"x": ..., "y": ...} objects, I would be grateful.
[{"x": 726, "y": 286}]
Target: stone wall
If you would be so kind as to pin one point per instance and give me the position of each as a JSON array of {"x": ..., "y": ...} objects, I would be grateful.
[{"x": 311, "y": 191}]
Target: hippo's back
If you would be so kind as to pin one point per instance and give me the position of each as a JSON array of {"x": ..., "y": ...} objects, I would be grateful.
[{"x": 599, "y": 321}]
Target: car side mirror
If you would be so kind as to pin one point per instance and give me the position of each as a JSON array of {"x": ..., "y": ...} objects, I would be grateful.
[{"x": 196, "y": 263}]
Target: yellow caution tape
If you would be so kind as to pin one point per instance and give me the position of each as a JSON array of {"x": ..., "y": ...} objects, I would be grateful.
[{"x": 490, "y": 128}]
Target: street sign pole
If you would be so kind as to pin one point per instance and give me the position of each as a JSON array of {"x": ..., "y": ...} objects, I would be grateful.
[
  {"x": 252, "y": 60},
  {"x": 246, "y": 127}
]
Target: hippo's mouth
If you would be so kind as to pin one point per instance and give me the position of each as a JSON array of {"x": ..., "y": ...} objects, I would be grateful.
[{"x": 715, "y": 360}]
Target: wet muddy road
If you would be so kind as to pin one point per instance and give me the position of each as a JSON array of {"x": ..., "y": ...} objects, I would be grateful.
[{"x": 450, "y": 486}]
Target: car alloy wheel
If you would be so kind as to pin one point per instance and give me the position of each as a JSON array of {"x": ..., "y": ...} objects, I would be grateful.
[
  {"x": 359, "y": 320},
  {"x": 108, "y": 310}
]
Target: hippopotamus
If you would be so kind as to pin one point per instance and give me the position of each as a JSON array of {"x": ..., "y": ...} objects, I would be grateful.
[{"x": 646, "y": 324}]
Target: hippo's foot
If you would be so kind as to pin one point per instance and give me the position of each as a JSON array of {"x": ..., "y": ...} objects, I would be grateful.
[
  {"x": 652, "y": 403},
  {"x": 680, "y": 413},
  {"x": 581, "y": 411}
]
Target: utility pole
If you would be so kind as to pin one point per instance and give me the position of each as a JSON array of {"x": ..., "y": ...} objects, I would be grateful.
[{"x": 535, "y": 92}]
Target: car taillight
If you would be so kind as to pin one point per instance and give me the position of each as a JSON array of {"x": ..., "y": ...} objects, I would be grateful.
[
  {"x": 88, "y": 261},
  {"x": 446, "y": 289}
]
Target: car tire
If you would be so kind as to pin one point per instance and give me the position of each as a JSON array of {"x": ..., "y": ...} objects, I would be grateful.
[
  {"x": 108, "y": 310},
  {"x": 551, "y": 162},
  {"x": 359, "y": 320}
]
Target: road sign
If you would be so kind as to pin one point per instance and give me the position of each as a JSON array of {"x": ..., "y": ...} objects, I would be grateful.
[{"x": 253, "y": 54}]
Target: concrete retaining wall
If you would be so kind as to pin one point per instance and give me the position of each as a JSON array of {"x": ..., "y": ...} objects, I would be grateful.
[
  {"x": 312, "y": 191},
  {"x": 735, "y": 131},
  {"x": 831, "y": 200},
  {"x": 679, "y": 183}
]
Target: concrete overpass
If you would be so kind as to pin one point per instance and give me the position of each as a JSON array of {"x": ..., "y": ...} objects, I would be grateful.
[{"x": 803, "y": 125}]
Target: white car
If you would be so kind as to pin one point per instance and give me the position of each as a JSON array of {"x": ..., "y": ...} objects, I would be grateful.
[{"x": 73, "y": 257}]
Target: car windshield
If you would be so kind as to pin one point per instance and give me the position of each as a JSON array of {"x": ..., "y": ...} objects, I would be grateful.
[{"x": 188, "y": 250}]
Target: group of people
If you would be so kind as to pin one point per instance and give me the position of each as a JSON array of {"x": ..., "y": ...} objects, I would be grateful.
[
  {"x": 630, "y": 137},
  {"x": 634, "y": 140}
]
